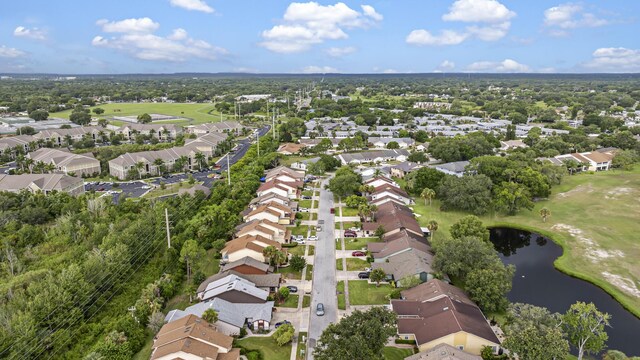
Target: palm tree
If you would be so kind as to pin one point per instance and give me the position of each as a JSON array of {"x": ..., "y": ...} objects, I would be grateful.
[
  {"x": 28, "y": 163},
  {"x": 432, "y": 226},
  {"x": 50, "y": 168},
  {"x": 279, "y": 258},
  {"x": 427, "y": 194},
  {"x": 200, "y": 159},
  {"x": 545, "y": 213},
  {"x": 269, "y": 253},
  {"x": 184, "y": 161},
  {"x": 159, "y": 164},
  {"x": 139, "y": 166},
  {"x": 178, "y": 164},
  {"x": 210, "y": 316}
]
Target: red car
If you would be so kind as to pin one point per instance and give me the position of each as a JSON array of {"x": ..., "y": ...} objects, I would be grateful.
[{"x": 358, "y": 253}]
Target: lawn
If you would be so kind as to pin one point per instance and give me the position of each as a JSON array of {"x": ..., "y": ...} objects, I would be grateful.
[
  {"x": 296, "y": 250},
  {"x": 306, "y": 216},
  {"x": 345, "y": 225},
  {"x": 198, "y": 112},
  {"x": 363, "y": 293},
  {"x": 301, "y": 346},
  {"x": 306, "y": 301},
  {"x": 288, "y": 273},
  {"x": 353, "y": 264},
  {"x": 169, "y": 189},
  {"x": 611, "y": 196},
  {"x": 309, "y": 274},
  {"x": 394, "y": 353},
  {"x": 341, "y": 300},
  {"x": 358, "y": 243},
  {"x": 312, "y": 250},
  {"x": 267, "y": 346},
  {"x": 291, "y": 302},
  {"x": 349, "y": 211},
  {"x": 299, "y": 230},
  {"x": 304, "y": 204},
  {"x": 307, "y": 193}
]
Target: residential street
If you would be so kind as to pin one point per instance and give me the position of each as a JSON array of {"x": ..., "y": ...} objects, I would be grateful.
[{"x": 324, "y": 270}]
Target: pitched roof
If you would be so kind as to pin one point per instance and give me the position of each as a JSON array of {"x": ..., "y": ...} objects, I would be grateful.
[
  {"x": 598, "y": 157},
  {"x": 253, "y": 242},
  {"x": 443, "y": 352},
  {"x": 408, "y": 263},
  {"x": 392, "y": 189},
  {"x": 435, "y": 289},
  {"x": 259, "y": 280},
  {"x": 44, "y": 182},
  {"x": 62, "y": 158},
  {"x": 398, "y": 242},
  {"x": 230, "y": 313},
  {"x": 395, "y": 216},
  {"x": 247, "y": 261},
  {"x": 290, "y": 148},
  {"x": 283, "y": 170},
  {"x": 192, "y": 335},
  {"x": 268, "y": 197},
  {"x": 232, "y": 282},
  {"x": 456, "y": 166},
  {"x": 407, "y": 166}
]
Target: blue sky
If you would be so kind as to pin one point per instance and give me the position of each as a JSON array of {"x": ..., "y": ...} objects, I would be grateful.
[{"x": 274, "y": 36}]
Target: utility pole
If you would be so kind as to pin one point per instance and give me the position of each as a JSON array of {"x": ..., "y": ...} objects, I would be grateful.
[
  {"x": 273, "y": 125},
  {"x": 258, "y": 136},
  {"x": 166, "y": 219},
  {"x": 228, "y": 171}
]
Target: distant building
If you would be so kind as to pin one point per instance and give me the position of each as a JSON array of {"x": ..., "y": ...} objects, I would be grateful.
[
  {"x": 45, "y": 183},
  {"x": 456, "y": 168}
]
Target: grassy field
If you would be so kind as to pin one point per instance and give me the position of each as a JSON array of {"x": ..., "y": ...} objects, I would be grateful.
[
  {"x": 363, "y": 293},
  {"x": 199, "y": 113},
  {"x": 267, "y": 346},
  {"x": 394, "y": 353},
  {"x": 358, "y": 243},
  {"x": 594, "y": 217}
]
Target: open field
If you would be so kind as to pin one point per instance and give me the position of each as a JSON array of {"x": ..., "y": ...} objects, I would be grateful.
[
  {"x": 198, "y": 112},
  {"x": 594, "y": 217}
]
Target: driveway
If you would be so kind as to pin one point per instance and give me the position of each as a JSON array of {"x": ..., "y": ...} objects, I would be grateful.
[{"x": 324, "y": 271}]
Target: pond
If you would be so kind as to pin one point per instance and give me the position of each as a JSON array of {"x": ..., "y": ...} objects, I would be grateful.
[{"x": 538, "y": 282}]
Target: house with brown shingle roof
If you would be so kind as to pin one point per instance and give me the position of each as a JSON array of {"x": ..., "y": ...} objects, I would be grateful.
[
  {"x": 273, "y": 212},
  {"x": 393, "y": 217},
  {"x": 443, "y": 352},
  {"x": 385, "y": 193},
  {"x": 447, "y": 316},
  {"x": 290, "y": 148},
  {"x": 285, "y": 189},
  {"x": 192, "y": 338},
  {"x": 247, "y": 265},
  {"x": 284, "y": 174},
  {"x": 265, "y": 228},
  {"x": 247, "y": 245}
]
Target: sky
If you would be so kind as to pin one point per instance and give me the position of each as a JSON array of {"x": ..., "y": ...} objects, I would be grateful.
[{"x": 275, "y": 36}]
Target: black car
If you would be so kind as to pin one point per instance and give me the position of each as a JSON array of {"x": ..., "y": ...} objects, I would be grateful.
[
  {"x": 278, "y": 324},
  {"x": 292, "y": 289},
  {"x": 306, "y": 197},
  {"x": 363, "y": 275}
]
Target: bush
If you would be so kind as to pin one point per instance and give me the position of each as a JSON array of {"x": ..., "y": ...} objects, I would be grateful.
[
  {"x": 395, "y": 294},
  {"x": 243, "y": 332},
  {"x": 403, "y": 341}
]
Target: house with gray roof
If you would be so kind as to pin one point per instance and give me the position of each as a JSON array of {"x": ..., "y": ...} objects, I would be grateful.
[
  {"x": 235, "y": 289},
  {"x": 456, "y": 168},
  {"x": 45, "y": 183},
  {"x": 66, "y": 162}
]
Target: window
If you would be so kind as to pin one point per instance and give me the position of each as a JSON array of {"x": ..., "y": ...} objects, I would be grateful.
[{"x": 460, "y": 347}]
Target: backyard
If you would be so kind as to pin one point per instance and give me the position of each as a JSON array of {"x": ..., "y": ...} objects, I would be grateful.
[
  {"x": 267, "y": 346},
  {"x": 363, "y": 293},
  {"x": 594, "y": 217}
]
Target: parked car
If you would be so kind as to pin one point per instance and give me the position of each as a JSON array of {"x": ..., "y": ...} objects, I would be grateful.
[
  {"x": 363, "y": 275},
  {"x": 278, "y": 324},
  {"x": 303, "y": 210},
  {"x": 292, "y": 288},
  {"x": 358, "y": 253},
  {"x": 299, "y": 237},
  {"x": 320, "y": 309},
  {"x": 349, "y": 234},
  {"x": 300, "y": 242},
  {"x": 312, "y": 238},
  {"x": 318, "y": 228},
  {"x": 306, "y": 197},
  {"x": 368, "y": 269},
  {"x": 354, "y": 229},
  {"x": 333, "y": 210}
]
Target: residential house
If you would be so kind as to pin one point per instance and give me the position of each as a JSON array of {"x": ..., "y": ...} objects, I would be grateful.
[
  {"x": 379, "y": 181},
  {"x": 164, "y": 132},
  {"x": 303, "y": 165},
  {"x": 382, "y": 143},
  {"x": 247, "y": 245},
  {"x": 280, "y": 187},
  {"x": 384, "y": 193},
  {"x": 512, "y": 144},
  {"x": 599, "y": 160},
  {"x": 290, "y": 148},
  {"x": 206, "y": 144},
  {"x": 396, "y": 244},
  {"x": 68, "y": 163},
  {"x": 216, "y": 127},
  {"x": 271, "y": 211},
  {"x": 266, "y": 282},
  {"x": 375, "y": 156},
  {"x": 191, "y": 338},
  {"x": 401, "y": 170},
  {"x": 248, "y": 266},
  {"x": 434, "y": 312},
  {"x": 284, "y": 174},
  {"x": 443, "y": 352},
  {"x": 272, "y": 197},
  {"x": 408, "y": 267},
  {"x": 456, "y": 168},
  {"x": 393, "y": 218},
  {"x": 144, "y": 162},
  {"x": 24, "y": 142},
  {"x": 45, "y": 183},
  {"x": 231, "y": 316},
  {"x": 265, "y": 228},
  {"x": 235, "y": 289}
]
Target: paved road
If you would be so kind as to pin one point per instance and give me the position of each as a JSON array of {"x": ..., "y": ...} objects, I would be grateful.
[
  {"x": 243, "y": 147},
  {"x": 324, "y": 270}
]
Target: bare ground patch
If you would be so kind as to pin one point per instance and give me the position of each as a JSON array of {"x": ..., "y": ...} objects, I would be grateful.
[
  {"x": 592, "y": 251},
  {"x": 578, "y": 189},
  {"x": 627, "y": 285}
]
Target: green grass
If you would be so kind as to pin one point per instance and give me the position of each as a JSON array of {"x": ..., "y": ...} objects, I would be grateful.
[
  {"x": 363, "y": 293},
  {"x": 301, "y": 346},
  {"x": 296, "y": 250},
  {"x": 312, "y": 250},
  {"x": 598, "y": 205},
  {"x": 267, "y": 346},
  {"x": 305, "y": 204},
  {"x": 358, "y": 243},
  {"x": 307, "y": 193},
  {"x": 169, "y": 189},
  {"x": 197, "y": 112},
  {"x": 309, "y": 275},
  {"x": 394, "y": 353},
  {"x": 349, "y": 211},
  {"x": 299, "y": 230},
  {"x": 341, "y": 298},
  {"x": 353, "y": 264},
  {"x": 345, "y": 225},
  {"x": 306, "y": 301},
  {"x": 145, "y": 352},
  {"x": 339, "y": 264},
  {"x": 291, "y": 302},
  {"x": 288, "y": 273},
  {"x": 306, "y": 216}
]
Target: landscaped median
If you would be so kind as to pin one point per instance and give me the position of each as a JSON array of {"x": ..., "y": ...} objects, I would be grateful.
[{"x": 342, "y": 305}]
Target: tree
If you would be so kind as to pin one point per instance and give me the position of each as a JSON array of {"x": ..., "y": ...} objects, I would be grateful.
[
  {"x": 98, "y": 111},
  {"x": 585, "y": 328},
  {"x": 200, "y": 159},
  {"x": 159, "y": 164},
  {"x": 346, "y": 182},
  {"x": 467, "y": 193},
  {"x": 427, "y": 194},
  {"x": 284, "y": 334},
  {"x": 418, "y": 157},
  {"x": 156, "y": 321},
  {"x": 80, "y": 116},
  {"x": 359, "y": 336},
  {"x": 625, "y": 159},
  {"x": 545, "y": 213},
  {"x": 353, "y": 201},
  {"x": 489, "y": 286},
  {"x": 534, "y": 333},
  {"x": 432, "y": 226},
  {"x": 297, "y": 262},
  {"x": 380, "y": 231},
  {"x": 459, "y": 256},
  {"x": 511, "y": 197},
  {"x": 269, "y": 253},
  {"x": 210, "y": 315},
  {"x": 470, "y": 225},
  {"x": 39, "y": 115},
  {"x": 190, "y": 253},
  {"x": 377, "y": 275},
  {"x": 144, "y": 118},
  {"x": 283, "y": 293},
  {"x": 393, "y": 145},
  {"x": 423, "y": 178}
]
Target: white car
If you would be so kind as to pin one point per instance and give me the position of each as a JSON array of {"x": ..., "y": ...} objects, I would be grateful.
[
  {"x": 301, "y": 242},
  {"x": 303, "y": 210},
  {"x": 312, "y": 238}
]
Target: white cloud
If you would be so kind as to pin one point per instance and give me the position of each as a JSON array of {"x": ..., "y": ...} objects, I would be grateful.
[
  {"x": 447, "y": 65},
  {"x": 446, "y": 37},
  {"x": 140, "y": 42},
  {"x": 340, "y": 51},
  {"x": 319, "y": 70},
  {"x": 141, "y": 25},
  {"x": 33, "y": 33},
  {"x": 618, "y": 60},
  {"x": 195, "y": 5},
  {"x": 505, "y": 66},
  {"x": 308, "y": 24},
  {"x": 390, "y": 71},
  {"x": 570, "y": 16},
  {"x": 488, "y": 11},
  {"x": 11, "y": 53},
  {"x": 492, "y": 20}
]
